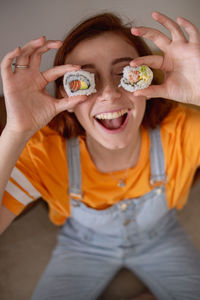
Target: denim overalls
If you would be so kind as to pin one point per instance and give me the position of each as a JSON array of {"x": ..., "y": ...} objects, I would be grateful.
[{"x": 140, "y": 234}]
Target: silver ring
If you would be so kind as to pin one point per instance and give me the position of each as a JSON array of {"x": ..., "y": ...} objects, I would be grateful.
[{"x": 20, "y": 66}]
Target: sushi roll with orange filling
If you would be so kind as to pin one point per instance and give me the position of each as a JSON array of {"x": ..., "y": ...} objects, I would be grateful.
[
  {"x": 79, "y": 83},
  {"x": 136, "y": 78}
]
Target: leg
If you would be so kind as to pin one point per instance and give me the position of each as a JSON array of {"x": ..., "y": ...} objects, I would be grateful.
[
  {"x": 170, "y": 268},
  {"x": 75, "y": 275}
]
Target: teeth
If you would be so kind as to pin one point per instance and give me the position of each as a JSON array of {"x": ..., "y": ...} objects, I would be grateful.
[{"x": 111, "y": 115}]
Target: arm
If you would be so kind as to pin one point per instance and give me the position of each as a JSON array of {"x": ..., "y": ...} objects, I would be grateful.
[
  {"x": 28, "y": 104},
  {"x": 11, "y": 147},
  {"x": 180, "y": 61}
]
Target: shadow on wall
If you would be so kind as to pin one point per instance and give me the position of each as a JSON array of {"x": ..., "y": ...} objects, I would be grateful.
[{"x": 2, "y": 113}]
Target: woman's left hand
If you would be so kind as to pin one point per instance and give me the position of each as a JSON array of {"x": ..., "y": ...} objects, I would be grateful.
[{"x": 180, "y": 61}]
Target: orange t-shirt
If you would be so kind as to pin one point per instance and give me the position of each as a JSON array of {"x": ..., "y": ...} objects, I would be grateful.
[{"x": 42, "y": 170}]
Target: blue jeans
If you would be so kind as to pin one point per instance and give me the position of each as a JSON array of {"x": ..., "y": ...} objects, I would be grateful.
[{"x": 139, "y": 234}]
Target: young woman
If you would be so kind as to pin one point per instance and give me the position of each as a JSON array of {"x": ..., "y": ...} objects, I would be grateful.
[{"x": 113, "y": 166}]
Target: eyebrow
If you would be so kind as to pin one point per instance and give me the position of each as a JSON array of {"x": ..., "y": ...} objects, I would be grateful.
[
  {"x": 121, "y": 59},
  {"x": 114, "y": 62}
]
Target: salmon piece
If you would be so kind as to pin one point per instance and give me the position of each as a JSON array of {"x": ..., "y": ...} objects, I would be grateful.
[{"x": 75, "y": 85}]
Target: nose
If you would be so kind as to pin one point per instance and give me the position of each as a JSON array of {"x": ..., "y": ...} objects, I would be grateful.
[{"x": 108, "y": 92}]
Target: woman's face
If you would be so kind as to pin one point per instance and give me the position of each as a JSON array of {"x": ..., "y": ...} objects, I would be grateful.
[{"x": 112, "y": 116}]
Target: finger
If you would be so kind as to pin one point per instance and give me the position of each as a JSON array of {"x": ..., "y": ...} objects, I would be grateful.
[
  {"x": 69, "y": 103},
  {"x": 58, "y": 71},
  {"x": 194, "y": 34},
  {"x": 153, "y": 91},
  {"x": 6, "y": 62},
  {"x": 159, "y": 39},
  {"x": 28, "y": 49},
  {"x": 35, "y": 59},
  {"x": 153, "y": 61},
  {"x": 173, "y": 27}
]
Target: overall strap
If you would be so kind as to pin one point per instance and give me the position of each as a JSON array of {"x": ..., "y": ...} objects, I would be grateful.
[
  {"x": 74, "y": 168},
  {"x": 157, "y": 159}
]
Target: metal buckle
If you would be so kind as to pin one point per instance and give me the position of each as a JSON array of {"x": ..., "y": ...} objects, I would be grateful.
[
  {"x": 76, "y": 196},
  {"x": 155, "y": 183}
]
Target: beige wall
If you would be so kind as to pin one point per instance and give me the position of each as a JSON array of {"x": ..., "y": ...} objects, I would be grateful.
[{"x": 22, "y": 20}]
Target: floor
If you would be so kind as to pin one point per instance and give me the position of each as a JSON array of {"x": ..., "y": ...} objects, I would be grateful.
[{"x": 26, "y": 247}]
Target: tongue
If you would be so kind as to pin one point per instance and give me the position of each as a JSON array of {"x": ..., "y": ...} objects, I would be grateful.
[{"x": 113, "y": 123}]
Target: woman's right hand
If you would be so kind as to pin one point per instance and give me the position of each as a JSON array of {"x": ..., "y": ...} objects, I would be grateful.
[{"x": 29, "y": 106}]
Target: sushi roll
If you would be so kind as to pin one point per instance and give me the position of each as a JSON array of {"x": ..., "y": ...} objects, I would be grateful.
[
  {"x": 136, "y": 78},
  {"x": 79, "y": 83}
]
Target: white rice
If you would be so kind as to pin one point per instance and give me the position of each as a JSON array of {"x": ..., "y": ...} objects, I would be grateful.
[
  {"x": 141, "y": 84},
  {"x": 79, "y": 75}
]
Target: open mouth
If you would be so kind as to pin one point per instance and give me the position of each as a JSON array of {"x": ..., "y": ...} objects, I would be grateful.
[{"x": 113, "y": 120}]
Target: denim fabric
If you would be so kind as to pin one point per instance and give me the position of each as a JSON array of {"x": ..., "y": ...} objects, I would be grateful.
[{"x": 140, "y": 234}]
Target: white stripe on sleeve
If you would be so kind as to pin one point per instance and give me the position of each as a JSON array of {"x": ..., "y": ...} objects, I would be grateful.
[
  {"x": 18, "y": 194},
  {"x": 24, "y": 183}
]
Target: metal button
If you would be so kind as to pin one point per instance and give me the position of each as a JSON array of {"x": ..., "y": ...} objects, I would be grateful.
[
  {"x": 159, "y": 191},
  {"x": 75, "y": 203},
  {"x": 126, "y": 222},
  {"x": 124, "y": 207}
]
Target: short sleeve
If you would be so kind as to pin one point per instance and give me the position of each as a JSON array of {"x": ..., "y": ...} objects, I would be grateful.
[
  {"x": 21, "y": 188},
  {"x": 181, "y": 141}
]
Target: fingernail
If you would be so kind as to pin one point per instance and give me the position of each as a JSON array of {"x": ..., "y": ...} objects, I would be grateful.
[
  {"x": 38, "y": 40},
  {"x": 138, "y": 94},
  {"x": 17, "y": 50},
  {"x": 133, "y": 63},
  {"x": 76, "y": 66},
  {"x": 155, "y": 14},
  {"x": 135, "y": 31}
]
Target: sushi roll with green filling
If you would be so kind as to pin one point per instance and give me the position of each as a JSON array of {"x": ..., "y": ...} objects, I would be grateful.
[
  {"x": 136, "y": 78},
  {"x": 79, "y": 83}
]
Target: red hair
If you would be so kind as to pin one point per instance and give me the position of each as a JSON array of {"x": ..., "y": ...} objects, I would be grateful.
[{"x": 66, "y": 123}]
